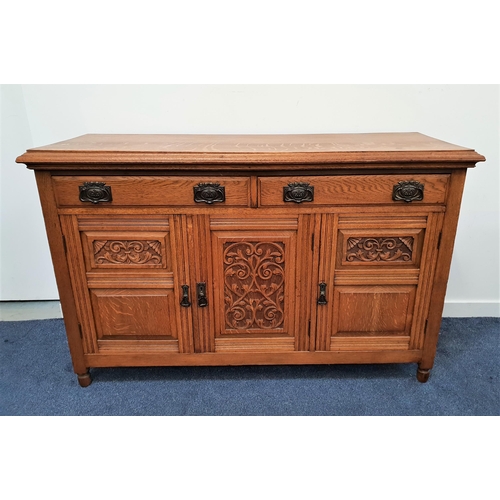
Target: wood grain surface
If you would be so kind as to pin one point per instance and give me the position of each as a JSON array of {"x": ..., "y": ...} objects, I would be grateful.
[
  {"x": 352, "y": 190},
  {"x": 151, "y": 190},
  {"x": 247, "y": 149},
  {"x": 129, "y": 312},
  {"x": 123, "y": 266}
]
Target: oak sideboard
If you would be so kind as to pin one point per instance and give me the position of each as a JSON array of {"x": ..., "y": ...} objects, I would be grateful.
[{"x": 251, "y": 249}]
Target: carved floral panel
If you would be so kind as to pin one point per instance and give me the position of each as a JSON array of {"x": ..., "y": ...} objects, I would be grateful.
[
  {"x": 254, "y": 285},
  {"x": 132, "y": 252},
  {"x": 380, "y": 249}
]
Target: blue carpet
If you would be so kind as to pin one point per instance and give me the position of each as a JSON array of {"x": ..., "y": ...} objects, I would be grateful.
[{"x": 36, "y": 378}]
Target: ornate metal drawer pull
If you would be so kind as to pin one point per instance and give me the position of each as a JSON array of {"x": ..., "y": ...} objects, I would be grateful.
[
  {"x": 95, "y": 192},
  {"x": 298, "y": 192},
  {"x": 322, "y": 295},
  {"x": 185, "y": 296},
  {"x": 201, "y": 291},
  {"x": 208, "y": 192},
  {"x": 408, "y": 191}
]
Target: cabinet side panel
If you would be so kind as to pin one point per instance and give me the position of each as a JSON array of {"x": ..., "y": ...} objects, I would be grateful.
[
  {"x": 55, "y": 238},
  {"x": 443, "y": 267}
]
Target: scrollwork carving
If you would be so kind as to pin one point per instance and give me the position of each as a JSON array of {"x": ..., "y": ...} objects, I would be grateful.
[
  {"x": 254, "y": 284},
  {"x": 127, "y": 252},
  {"x": 382, "y": 249}
]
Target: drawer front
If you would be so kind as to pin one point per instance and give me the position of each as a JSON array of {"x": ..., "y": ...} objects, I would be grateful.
[
  {"x": 151, "y": 191},
  {"x": 353, "y": 190}
]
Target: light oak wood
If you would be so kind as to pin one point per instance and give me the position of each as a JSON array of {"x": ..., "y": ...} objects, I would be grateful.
[
  {"x": 373, "y": 310},
  {"x": 153, "y": 277},
  {"x": 253, "y": 282},
  {"x": 440, "y": 281},
  {"x": 74, "y": 255},
  {"x": 369, "y": 343},
  {"x": 322, "y": 327},
  {"x": 351, "y": 190},
  {"x": 134, "y": 312},
  {"x": 202, "y": 272},
  {"x": 262, "y": 344},
  {"x": 380, "y": 248},
  {"x": 104, "y": 151},
  {"x": 108, "y": 249},
  {"x": 244, "y": 213},
  {"x": 151, "y": 191},
  {"x": 182, "y": 264},
  {"x": 104, "y": 360},
  {"x": 61, "y": 269}
]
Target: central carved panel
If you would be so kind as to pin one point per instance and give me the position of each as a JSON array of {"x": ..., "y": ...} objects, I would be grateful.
[
  {"x": 254, "y": 285},
  {"x": 127, "y": 252},
  {"x": 374, "y": 249}
]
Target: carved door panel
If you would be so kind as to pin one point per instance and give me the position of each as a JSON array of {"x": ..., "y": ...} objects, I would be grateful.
[
  {"x": 255, "y": 284},
  {"x": 130, "y": 281},
  {"x": 380, "y": 268}
]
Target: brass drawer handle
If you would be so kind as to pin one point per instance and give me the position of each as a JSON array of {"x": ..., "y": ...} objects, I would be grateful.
[
  {"x": 408, "y": 191},
  {"x": 209, "y": 192},
  {"x": 298, "y": 192},
  {"x": 95, "y": 192}
]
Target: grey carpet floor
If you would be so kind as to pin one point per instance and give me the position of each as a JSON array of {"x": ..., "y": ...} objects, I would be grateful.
[{"x": 36, "y": 378}]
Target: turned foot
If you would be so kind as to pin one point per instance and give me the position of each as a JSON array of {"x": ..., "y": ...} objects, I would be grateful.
[
  {"x": 84, "y": 379},
  {"x": 423, "y": 375}
]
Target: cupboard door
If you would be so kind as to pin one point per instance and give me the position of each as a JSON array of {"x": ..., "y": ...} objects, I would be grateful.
[
  {"x": 381, "y": 268},
  {"x": 256, "y": 283},
  {"x": 129, "y": 282},
  {"x": 375, "y": 317}
]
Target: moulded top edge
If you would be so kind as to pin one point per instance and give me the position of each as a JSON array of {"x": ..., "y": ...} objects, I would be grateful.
[{"x": 249, "y": 149}]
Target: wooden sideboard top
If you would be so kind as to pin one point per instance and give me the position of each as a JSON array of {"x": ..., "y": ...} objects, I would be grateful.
[{"x": 158, "y": 149}]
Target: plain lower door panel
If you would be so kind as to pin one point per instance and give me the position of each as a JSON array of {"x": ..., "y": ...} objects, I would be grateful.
[{"x": 375, "y": 317}]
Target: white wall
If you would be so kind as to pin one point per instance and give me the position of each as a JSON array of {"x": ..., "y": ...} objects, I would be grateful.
[
  {"x": 468, "y": 115},
  {"x": 26, "y": 271}
]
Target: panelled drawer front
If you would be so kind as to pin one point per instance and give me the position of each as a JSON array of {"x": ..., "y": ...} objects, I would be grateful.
[
  {"x": 351, "y": 189},
  {"x": 154, "y": 190}
]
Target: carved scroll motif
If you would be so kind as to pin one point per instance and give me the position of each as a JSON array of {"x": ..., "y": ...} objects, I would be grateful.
[
  {"x": 254, "y": 284},
  {"x": 127, "y": 252},
  {"x": 380, "y": 249}
]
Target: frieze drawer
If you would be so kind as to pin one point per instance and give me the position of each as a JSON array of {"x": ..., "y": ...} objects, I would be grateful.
[
  {"x": 183, "y": 191},
  {"x": 353, "y": 189}
]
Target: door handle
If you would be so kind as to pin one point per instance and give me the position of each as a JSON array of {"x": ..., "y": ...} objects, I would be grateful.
[
  {"x": 322, "y": 295},
  {"x": 185, "y": 296},
  {"x": 201, "y": 292}
]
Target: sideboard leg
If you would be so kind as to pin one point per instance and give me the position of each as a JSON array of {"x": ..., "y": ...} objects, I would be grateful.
[
  {"x": 84, "y": 379},
  {"x": 423, "y": 375}
]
